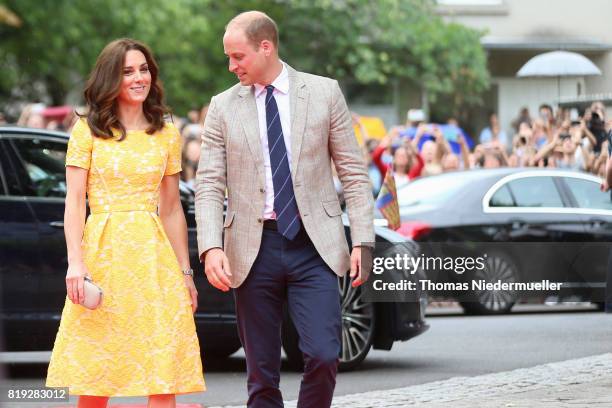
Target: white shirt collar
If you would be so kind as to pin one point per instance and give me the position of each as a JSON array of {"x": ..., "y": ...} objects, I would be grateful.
[{"x": 281, "y": 83}]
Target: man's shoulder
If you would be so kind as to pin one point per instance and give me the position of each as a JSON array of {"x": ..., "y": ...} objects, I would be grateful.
[
  {"x": 315, "y": 80},
  {"x": 229, "y": 94}
]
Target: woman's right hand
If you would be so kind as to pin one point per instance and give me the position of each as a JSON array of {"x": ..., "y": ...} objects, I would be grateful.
[
  {"x": 74, "y": 282},
  {"x": 385, "y": 142},
  {"x": 390, "y": 137}
]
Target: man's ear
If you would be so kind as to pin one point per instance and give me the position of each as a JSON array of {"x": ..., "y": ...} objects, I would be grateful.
[{"x": 267, "y": 47}]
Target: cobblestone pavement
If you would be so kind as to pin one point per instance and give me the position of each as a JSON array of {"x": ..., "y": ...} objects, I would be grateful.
[{"x": 584, "y": 382}]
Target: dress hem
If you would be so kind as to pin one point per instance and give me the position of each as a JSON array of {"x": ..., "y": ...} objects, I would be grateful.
[{"x": 73, "y": 391}]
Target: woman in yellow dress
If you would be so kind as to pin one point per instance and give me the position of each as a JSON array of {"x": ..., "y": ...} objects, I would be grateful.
[{"x": 142, "y": 339}]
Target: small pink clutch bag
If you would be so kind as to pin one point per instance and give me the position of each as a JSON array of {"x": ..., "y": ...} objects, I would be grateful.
[{"x": 93, "y": 294}]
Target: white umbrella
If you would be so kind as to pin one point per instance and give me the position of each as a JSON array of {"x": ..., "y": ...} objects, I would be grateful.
[{"x": 558, "y": 64}]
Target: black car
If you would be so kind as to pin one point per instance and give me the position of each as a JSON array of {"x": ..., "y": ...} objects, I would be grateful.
[
  {"x": 550, "y": 209},
  {"x": 33, "y": 264}
]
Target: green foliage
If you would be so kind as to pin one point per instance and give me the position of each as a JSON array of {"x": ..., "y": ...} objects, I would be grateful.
[
  {"x": 57, "y": 46},
  {"x": 372, "y": 42}
]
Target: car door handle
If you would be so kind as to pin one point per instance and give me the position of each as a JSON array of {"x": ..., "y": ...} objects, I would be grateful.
[
  {"x": 518, "y": 224},
  {"x": 57, "y": 224},
  {"x": 596, "y": 222}
]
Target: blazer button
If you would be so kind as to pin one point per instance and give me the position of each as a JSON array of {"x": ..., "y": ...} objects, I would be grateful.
[
  {"x": 260, "y": 220},
  {"x": 261, "y": 190}
]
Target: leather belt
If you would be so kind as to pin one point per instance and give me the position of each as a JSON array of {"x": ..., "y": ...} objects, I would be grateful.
[{"x": 270, "y": 224}]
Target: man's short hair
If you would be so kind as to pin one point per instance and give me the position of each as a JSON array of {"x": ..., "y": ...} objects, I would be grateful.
[
  {"x": 545, "y": 106},
  {"x": 257, "y": 28}
]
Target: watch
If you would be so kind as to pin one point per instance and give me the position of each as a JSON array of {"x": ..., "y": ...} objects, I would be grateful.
[{"x": 188, "y": 271}]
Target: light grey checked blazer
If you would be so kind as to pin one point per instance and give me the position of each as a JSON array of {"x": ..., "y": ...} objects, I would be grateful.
[{"x": 232, "y": 159}]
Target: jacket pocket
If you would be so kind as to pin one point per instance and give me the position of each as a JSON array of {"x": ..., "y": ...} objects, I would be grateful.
[
  {"x": 229, "y": 218},
  {"x": 332, "y": 208}
]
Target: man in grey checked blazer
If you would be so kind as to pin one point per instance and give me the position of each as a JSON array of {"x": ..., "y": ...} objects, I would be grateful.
[{"x": 267, "y": 263}]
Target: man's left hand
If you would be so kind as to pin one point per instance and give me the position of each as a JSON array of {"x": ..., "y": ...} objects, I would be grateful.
[{"x": 361, "y": 265}]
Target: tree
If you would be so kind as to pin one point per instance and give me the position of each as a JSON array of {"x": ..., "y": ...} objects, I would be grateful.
[
  {"x": 50, "y": 54},
  {"x": 375, "y": 42},
  {"x": 55, "y": 48}
]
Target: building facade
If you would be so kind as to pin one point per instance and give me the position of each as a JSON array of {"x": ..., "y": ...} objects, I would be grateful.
[{"x": 517, "y": 30}]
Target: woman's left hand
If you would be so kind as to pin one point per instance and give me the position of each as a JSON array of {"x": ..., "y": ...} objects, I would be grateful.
[{"x": 193, "y": 292}]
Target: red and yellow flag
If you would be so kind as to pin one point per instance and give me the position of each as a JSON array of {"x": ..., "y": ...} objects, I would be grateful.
[{"x": 386, "y": 202}]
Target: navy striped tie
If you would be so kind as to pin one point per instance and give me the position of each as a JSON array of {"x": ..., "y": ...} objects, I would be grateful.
[{"x": 285, "y": 206}]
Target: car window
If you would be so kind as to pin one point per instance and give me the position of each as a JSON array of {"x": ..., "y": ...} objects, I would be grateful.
[
  {"x": 434, "y": 190},
  {"x": 588, "y": 194},
  {"x": 10, "y": 179},
  {"x": 502, "y": 198},
  {"x": 13, "y": 170},
  {"x": 535, "y": 192},
  {"x": 40, "y": 163}
]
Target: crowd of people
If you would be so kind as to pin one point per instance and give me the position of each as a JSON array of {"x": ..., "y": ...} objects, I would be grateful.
[
  {"x": 39, "y": 116},
  {"x": 562, "y": 139}
]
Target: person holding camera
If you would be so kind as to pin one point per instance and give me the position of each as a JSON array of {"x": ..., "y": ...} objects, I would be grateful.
[
  {"x": 565, "y": 151},
  {"x": 406, "y": 163},
  {"x": 433, "y": 151},
  {"x": 523, "y": 146},
  {"x": 595, "y": 123}
]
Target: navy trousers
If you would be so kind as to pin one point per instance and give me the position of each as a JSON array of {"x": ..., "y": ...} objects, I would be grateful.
[{"x": 292, "y": 272}]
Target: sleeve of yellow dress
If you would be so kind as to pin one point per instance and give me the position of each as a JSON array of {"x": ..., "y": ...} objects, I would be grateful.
[
  {"x": 79, "y": 146},
  {"x": 173, "y": 165}
]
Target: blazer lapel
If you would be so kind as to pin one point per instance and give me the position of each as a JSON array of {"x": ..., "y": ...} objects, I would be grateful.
[
  {"x": 247, "y": 110},
  {"x": 298, "y": 105}
]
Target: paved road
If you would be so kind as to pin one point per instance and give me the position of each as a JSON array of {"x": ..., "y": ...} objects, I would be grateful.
[
  {"x": 578, "y": 383},
  {"x": 454, "y": 346}
]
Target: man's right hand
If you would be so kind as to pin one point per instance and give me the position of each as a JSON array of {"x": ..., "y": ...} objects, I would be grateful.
[{"x": 217, "y": 269}]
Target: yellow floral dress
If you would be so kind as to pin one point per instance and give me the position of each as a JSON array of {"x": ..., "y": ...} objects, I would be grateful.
[{"x": 142, "y": 339}]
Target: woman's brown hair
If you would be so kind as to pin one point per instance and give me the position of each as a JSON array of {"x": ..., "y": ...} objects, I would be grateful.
[
  {"x": 104, "y": 85},
  {"x": 410, "y": 158}
]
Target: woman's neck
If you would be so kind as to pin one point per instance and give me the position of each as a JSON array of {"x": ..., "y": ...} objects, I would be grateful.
[{"x": 132, "y": 117}]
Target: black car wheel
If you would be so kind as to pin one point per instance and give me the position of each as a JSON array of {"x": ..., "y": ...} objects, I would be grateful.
[
  {"x": 358, "y": 325},
  {"x": 499, "y": 267}
]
